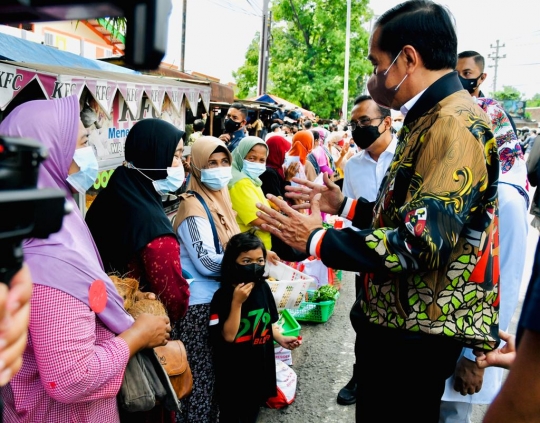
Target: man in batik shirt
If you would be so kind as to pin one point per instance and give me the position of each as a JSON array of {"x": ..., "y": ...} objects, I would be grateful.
[{"x": 430, "y": 259}]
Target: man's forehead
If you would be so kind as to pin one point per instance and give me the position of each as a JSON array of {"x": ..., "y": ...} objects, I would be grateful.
[
  {"x": 373, "y": 43},
  {"x": 467, "y": 63},
  {"x": 363, "y": 109}
]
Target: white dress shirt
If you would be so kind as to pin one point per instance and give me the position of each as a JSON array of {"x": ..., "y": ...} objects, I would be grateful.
[{"x": 363, "y": 175}]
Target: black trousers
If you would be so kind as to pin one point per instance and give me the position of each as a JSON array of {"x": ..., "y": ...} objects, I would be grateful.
[
  {"x": 401, "y": 375},
  {"x": 248, "y": 413}
]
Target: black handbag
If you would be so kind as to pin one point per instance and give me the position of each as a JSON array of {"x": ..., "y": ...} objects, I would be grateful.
[{"x": 146, "y": 384}]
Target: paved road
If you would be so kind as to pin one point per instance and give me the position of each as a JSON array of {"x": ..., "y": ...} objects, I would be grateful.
[{"x": 324, "y": 362}]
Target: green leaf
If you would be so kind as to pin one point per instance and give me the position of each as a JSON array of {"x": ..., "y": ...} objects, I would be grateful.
[{"x": 307, "y": 54}]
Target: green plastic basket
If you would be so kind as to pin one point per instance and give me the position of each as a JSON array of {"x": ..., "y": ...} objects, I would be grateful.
[
  {"x": 289, "y": 324},
  {"x": 313, "y": 312}
]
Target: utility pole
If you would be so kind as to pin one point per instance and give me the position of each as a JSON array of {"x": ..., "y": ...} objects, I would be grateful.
[
  {"x": 183, "y": 46},
  {"x": 495, "y": 57},
  {"x": 263, "y": 53},
  {"x": 346, "y": 73}
]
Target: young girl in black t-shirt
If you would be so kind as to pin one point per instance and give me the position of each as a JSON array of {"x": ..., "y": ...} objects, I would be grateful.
[{"x": 242, "y": 314}]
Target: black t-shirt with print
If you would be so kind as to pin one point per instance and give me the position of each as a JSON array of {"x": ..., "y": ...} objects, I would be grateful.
[{"x": 245, "y": 369}]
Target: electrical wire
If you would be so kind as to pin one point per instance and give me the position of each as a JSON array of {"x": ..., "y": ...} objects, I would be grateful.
[
  {"x": 229, "y": 6},
  {"x": 255, "y": 6}
]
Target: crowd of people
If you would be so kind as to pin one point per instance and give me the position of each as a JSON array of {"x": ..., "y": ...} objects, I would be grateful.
[{"x": 431, "y": 179}]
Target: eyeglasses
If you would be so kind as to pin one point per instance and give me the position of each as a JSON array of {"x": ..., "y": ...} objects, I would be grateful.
[{"x": 365, "y": 121}]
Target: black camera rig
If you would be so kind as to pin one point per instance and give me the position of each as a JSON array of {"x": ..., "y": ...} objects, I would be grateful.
[{"x": 25, "y": 210}]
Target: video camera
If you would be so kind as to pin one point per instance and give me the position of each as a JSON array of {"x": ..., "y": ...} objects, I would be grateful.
[
  {"x": 146, "y": 21},
  {"x": 25, "y": 211},
  {"x": 28, "y": 212}
]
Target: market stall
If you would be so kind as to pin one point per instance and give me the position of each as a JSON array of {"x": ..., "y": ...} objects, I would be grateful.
[{"x": 111, "y": 103}]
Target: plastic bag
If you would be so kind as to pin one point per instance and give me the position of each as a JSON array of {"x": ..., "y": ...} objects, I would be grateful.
[
  {"x": 286, "y": 386},
  {"x": 316, "y": 269}
]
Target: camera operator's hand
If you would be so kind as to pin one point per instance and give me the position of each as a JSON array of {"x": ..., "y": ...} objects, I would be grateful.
[{"x": 14, "y": 317}]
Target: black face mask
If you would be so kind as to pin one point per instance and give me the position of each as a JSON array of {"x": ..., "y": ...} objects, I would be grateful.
[
  {"x": 231, "y": 126},
  {"x": 470, "y": 84},
  {"x": 364, "y": 136},
  {"x": 249, "y": 273}
]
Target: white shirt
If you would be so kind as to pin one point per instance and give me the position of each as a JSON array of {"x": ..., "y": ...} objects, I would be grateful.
[
  {"x": 363, "y": 175},
  {"x": 409, "y": 104}
]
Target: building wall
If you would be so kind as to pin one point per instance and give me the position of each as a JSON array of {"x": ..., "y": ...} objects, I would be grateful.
[
  {"x": 72, "y": 36},
  {"x": 535, "y": 114}
]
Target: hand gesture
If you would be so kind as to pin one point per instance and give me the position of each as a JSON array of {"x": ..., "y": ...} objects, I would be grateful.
[
  {"x": 330, "y": 195},
  {"x": 293, "y": 227},
  {"x": 148, "y": 331},
  {"x": 225, "y": 138},
  {"x": 344, "y": 149},
  {"x": 242, "y": 291},
  {"x": 140, "y": 295},
  {"x": 186, "y": 162},
  {"x": 272, "y": 257},
  {"x": 14, "y": 317},
  {"x": 501, "y": 357},
  {"x": 291, "y": 171},
  {"x": 289, "y": 342},
  {"x": 153, "y": 331},
  {"x": 468, "y": 377}
]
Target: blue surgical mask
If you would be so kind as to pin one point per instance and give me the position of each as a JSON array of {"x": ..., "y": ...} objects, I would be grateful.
[
  {"x": 88, "y": 164},
  {"x": 216, "y": 178},
  {"x": 175, "y": 179},
  {"x": 252, "y": 169},
  {"x": 397, "y": 125}
]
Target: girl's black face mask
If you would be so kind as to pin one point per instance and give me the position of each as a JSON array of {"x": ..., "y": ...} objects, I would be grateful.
[{"x": 249, "y": 273}]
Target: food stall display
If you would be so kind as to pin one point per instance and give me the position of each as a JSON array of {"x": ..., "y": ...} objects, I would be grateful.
[{"x": 111, "y": 103}]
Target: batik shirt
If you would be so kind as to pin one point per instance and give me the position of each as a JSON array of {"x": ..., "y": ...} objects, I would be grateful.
[{"x": 430, "y": 260}]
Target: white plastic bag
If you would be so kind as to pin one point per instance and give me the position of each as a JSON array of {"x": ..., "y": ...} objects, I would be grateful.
[
  {"x": 286, "y": 386},
  {"x": 289, "y": 286}
]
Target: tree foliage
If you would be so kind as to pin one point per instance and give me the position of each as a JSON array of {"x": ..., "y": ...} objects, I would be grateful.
[
  {"x": 507, "y": 93},
  {"x": 534, "y": 101},
  {"x": 307, "y": 54},
  {"x": 246, "y": 75}
]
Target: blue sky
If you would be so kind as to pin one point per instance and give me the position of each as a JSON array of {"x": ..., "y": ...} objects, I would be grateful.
[{"x": 219, "y": 32}]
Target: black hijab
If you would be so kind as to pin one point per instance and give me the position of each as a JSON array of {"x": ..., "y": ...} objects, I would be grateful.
[{"x": 128, "y": 213}]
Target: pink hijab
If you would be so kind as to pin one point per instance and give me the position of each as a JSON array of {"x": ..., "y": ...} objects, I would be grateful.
[{"x": 68, "y": 260}]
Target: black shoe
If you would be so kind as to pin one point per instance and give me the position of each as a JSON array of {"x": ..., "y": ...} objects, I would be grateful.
[{"x": 347, "y": 394}]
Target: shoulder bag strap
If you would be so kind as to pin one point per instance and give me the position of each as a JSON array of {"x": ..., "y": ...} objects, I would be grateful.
[{"x": 210, "y": 219}]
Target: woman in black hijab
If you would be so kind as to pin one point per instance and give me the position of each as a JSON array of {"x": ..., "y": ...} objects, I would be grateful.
[{"x": 132, "y": 232}]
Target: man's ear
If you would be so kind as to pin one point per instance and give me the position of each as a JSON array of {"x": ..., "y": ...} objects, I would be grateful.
[
  {"x": 387, "y": 122},
  {"x": 482, "y": 78},
  {"x": 413, "y": 59}
]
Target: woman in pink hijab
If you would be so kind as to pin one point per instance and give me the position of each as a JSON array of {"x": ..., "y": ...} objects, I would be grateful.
[{"x": 80, "y": 338}]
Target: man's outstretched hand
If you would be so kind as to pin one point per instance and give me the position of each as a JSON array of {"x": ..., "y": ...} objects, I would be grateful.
[
  {"x": 331, "y": 197},
  {"x": 287, "y": 224}
]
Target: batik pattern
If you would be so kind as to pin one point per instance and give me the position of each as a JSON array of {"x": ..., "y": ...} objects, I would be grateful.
[{"x": 436, "y": 228}]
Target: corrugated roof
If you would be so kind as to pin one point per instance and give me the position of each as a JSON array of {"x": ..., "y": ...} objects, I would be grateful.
[{"x": 19, "y": 50}]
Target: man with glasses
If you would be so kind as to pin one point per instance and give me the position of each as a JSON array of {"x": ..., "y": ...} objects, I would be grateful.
[
  {"x": 370, "y": 125},
  {"x": 429, "y": 260}
]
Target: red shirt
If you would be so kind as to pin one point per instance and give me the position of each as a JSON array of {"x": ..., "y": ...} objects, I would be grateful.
[{"x": 159, "y": 262}]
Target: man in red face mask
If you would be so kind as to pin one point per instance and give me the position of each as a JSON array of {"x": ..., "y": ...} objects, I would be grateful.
[{"x": 429, "y": 260}]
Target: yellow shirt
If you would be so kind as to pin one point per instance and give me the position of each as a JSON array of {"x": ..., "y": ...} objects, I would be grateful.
[{"x": 244, "y": 195}]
